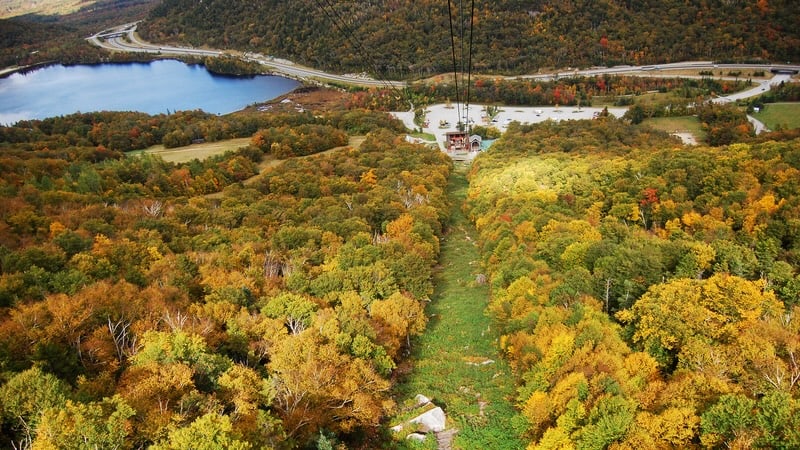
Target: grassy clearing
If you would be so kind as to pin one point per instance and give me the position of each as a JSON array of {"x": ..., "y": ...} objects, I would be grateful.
[
  {"x": 198, "y": 151},
  {"x": 425, "y": 136},
  {"x": 447, "y": 357},
  {"x": 647, "y": 97},
  {"x": 780, "y": 115},
  {"x": 683, "y": 124}
]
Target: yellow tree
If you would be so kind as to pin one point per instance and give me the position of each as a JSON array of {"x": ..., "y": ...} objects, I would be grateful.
[
  {"x": 397, "y": 319},
  {"x": 318, "y": 386},
  {"x": 769, "y": 350},
  {"x": 672, "y": 315},
  {"x": 672, "y": 428},
  {"x": 155, "y": 392}
]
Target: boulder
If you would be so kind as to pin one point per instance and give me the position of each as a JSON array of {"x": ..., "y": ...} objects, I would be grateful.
[{"x": 431, "y": 421}]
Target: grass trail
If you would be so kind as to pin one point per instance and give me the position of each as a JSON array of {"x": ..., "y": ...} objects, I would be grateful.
[{"x": 447, "y": 357}]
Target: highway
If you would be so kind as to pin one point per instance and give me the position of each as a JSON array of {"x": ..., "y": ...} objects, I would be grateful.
[
  {"x": 124, "y": 38},
  {"x": 659, "y": 70}
]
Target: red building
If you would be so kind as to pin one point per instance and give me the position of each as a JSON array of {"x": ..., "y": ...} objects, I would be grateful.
[{"x": 461, "y": 141}]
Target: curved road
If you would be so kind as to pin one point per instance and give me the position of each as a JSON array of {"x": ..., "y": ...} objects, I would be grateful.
[{"x": 124, "y": 38}]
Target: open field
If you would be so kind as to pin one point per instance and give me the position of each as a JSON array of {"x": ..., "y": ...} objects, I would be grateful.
[
  {"x": 780, "y": 115},
  {"x": 199, "y": 151},
  {"x": 683, "y": 124}
]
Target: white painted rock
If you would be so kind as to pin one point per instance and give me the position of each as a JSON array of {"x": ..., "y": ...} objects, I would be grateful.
[
  {"x": 397, "y": 428},
  {"x": 433, "y": 420}
]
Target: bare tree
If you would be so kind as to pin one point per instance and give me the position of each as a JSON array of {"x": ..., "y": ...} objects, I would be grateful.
[
  {"x": 153, "y": 208},
  {"x": 124, "y": 340}
]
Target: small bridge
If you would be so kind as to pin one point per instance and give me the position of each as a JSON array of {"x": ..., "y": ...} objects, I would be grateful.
[
  {"x": 786, "y": 70},
  {"x": 112, "y": 34}
]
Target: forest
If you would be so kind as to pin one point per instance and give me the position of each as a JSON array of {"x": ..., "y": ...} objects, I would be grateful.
[
  {"x": 138, "y": 311},
  {"x": 411, "y": 39},
  {"x": 646, "y": 293}
]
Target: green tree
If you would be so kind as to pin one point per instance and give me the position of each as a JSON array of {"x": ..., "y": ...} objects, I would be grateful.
[
  {"x": 26, "y": 396},
  {"x": 779, "y": 420},
  {"x": 295, "y": 310},
  {"x": 211, "y": 431},
  {"x": 729, "y": 422},
  {"x": 80, "y": 425},
  {"x": 162, "y": 348}
]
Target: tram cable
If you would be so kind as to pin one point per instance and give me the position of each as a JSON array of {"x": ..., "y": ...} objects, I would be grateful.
[
  {"x": 455, "y": 65},
  {"x": 463, "y": 62},
  {"x": 469, "y": 64},
  {"x": 339, "y": 23}
]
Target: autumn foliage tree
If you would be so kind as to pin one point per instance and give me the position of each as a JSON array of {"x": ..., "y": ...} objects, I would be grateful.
[
  {"x": 136, "y": 311},
  {"x": 643, "y": 291}
]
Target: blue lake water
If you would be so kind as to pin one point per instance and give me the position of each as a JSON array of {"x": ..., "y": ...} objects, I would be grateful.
[{"x": 156, "y": 87}]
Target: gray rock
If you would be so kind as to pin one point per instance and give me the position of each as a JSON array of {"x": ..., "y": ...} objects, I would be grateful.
[{"x": 421, "y": 400}]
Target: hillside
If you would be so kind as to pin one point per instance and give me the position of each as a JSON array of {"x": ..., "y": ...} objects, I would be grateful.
[
  {"x": 646, "y": 294},
  {"x": 46, "y": 32},
  {"x": 582, "y": 284},
  {"x": 262, "y": 316},
  {"x": 14, "y": 8},
  {"x": 403, "y": 38}
]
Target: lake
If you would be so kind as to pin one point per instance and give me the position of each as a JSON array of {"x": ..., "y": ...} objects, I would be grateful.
[{"x": 156, "y": 87}]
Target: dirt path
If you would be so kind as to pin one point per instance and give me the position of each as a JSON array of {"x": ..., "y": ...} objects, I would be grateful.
[{"x": 456, "y": 362}]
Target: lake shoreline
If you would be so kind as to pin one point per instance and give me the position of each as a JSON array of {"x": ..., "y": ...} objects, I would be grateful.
[
  {"x": 151, "y": 87},
  {"x": 8, "y": 71}
]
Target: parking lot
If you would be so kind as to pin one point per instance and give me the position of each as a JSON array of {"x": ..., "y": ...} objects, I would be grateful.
[{"x": 444, "y": 114}]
